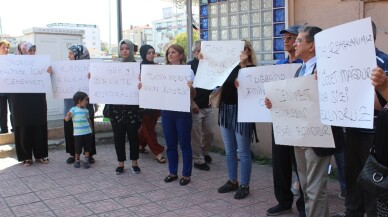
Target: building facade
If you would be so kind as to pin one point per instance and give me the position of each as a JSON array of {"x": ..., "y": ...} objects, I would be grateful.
[
  {"x": 173, "y": 23},
  {"x": 140, "y": 35},
  {"x": 261, "y": 20},
  {"x": 91, "y": 38}
]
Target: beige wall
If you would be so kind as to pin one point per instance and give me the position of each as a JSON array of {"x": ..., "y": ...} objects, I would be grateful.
[{"x": 329, "y": 13}]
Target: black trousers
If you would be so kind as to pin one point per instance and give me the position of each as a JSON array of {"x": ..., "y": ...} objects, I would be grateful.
[
  {"x": 356, "y": 152},
  {"x": 120, "y": 131},
  {"x": 31, "y": 140},
  {"x": 283, "y": 159},
  {"x": 4, "y": 113},
  {"x": 69, "y": 138}
]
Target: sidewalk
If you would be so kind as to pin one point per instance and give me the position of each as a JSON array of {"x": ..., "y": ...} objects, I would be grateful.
[{"x": 59, "y": 189}]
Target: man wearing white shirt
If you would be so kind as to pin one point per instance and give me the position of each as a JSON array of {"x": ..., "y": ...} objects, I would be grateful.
[{"x": 312, "y": 163}]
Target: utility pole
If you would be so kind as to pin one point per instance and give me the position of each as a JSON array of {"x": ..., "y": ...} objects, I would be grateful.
[
  {"x": 189, "y": 27},
  {"x": 119, "y": 24},
  {"x": 1, "y": 30},
  {"x": 110, "y": 30}
]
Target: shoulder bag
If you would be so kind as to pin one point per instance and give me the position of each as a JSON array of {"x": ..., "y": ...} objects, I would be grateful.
[
  {"x": 374, "y": 177},
  {"x": 215, "y": 98}
]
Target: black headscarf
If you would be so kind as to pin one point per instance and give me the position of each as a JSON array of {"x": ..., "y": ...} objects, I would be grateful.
[{"x": 143, "y": 53}]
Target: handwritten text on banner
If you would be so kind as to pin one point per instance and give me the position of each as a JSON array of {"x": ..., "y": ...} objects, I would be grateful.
[
  {"x": 24, "y": 74},
  {"x": 219, "y": 59},
  {"x": 295, "y": 113},
  {"x": 346, "y": 55},
  {"x": 165, "y": 87},
  {"x": 69, "y": 77},
  {"x": 251, "y": 94},
  {"x": 114, "y": 83}
]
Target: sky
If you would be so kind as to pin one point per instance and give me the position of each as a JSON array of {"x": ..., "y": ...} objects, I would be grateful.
[{"x": 18, "y": 15}]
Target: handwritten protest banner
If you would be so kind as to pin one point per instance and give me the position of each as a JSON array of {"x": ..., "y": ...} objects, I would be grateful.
[
  {"x": 68, "y": 77},
  {"x": 251, "y": 94},
  {"x": 295, "y": 113},
  {"x": 114, "y": 83},
  {"x": 219, "y": 59},
  {"x": 165, "y": 87},
  {"x": 24, "y": 74},
  {"x": 345, "y": 58}
]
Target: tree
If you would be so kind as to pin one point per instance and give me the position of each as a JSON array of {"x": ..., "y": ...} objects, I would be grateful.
[{"x": 181, "y": 39}]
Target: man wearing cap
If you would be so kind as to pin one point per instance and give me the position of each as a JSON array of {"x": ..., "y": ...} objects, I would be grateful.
[
  {"x": 283, "y": 157},
  {"x": 312, "y": 163},
  {"x": 4, "y": 47}
]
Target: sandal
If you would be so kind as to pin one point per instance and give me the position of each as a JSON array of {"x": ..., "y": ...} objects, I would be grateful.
[
  {"x": 44, "y": 160},
  {"x": 161, "y": 159},
  {"x": 143, "y": 150},
  {"x": 27, "y": 163}
]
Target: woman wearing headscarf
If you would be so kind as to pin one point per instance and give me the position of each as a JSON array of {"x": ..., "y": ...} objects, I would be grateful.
[
  {"x": 77, "y": 52},
  {"x": 147, "y": 133},
  {"x": 125, "y": 120},
  {"x": 4, "y": 48},
  {"x": 30, "y": 119}
]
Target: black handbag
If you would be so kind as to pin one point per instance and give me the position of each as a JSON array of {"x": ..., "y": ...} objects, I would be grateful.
[{"x": 374, "y": 177}]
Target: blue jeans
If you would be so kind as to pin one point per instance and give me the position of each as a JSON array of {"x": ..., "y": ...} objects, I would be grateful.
[
  {"x": 177, "y": 126},
  {"x": 233, "y": 141},
  {"x": 340, "y": 161}
]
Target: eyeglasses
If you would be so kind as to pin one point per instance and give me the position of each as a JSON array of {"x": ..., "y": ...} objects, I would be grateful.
[
  {"x": 287, "y": 38},
  {"x": 299, "y": 40}
]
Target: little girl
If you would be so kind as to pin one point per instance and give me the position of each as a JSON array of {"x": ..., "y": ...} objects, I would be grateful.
[{"x": 82, "y": 131}]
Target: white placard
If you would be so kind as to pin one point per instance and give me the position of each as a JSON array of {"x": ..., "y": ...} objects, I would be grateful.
[
  {"x": 251, "y": 94},
  {"x": 219, "y": 59},
  {"x": 295, "y": 113},
  {"x": 345, "y": 58},
  {"x": 114, "y": 83},
  {"x": 165, "y": 87},
  {"x": 68, "y": 77},
  {"x": 24, "y": 74}
]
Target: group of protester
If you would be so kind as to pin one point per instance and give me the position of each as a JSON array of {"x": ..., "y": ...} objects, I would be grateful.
[
  {"x": 312, "y": 163},
  {"x": 194, "y": 131}
]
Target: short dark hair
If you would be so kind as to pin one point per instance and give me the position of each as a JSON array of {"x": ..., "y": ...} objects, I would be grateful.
[
  {"x": 311, "y": 31},
  {"x": 79, "y": 96}
]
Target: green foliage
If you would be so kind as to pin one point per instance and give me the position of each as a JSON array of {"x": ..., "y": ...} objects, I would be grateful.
[{"x": 181, "y": 39}]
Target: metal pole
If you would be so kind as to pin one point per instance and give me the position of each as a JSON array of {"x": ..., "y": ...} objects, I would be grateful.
[
  {"x": 119, "y": 22},
  {"x": 1, "y": 30},
  {"x": 189, "y": 27},
  {"x": 110, "y": 30}
]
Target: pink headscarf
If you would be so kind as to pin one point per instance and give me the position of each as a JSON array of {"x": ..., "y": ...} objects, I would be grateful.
[{"x": 23, "y": 48}]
